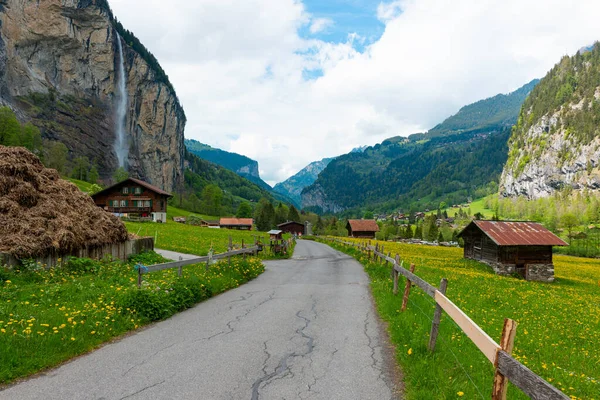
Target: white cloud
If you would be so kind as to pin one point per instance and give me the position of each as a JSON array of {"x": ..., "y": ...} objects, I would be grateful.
[
  {"x": 238, "y": 68},
  {"x": 320, "y": 24}
]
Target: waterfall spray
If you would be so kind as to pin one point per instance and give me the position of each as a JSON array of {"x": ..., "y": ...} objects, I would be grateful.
[{"x": 121, "y": 145}]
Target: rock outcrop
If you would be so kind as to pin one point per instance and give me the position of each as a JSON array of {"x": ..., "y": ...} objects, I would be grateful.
[
  {"x": 58, "y": 63},
  {"x": 293, "y": 186}
]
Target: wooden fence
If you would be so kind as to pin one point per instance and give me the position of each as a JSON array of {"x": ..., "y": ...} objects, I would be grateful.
[
  {"x": 143, "y": 269},
  {"x": 507, "y": 368}
]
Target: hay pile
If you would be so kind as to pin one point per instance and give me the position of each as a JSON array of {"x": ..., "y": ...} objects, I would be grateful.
[{"x": 41, "y": 214}]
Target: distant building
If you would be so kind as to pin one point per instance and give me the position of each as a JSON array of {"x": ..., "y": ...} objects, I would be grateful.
[
  {"x": 362, "y": 228},
  {"x": 134, "y": 197},
  {"x": 509, "y": 247},
  {"x": 241, "y": 224},
  {"x": 293, "y": 227}
]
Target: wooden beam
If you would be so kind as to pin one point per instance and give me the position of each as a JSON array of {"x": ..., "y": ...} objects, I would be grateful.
[
  {"x": 407, "y": 289},
  {"x": 437, "y": 316},
  {"x": 507, "y": 342},
  {"x": 425, "y": 286},
  {"x": 482, "y": 340},
  {"x": 522, "y": 377}
]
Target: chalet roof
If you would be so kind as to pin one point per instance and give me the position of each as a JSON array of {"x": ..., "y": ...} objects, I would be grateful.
[
  {"x": 506, "y": 233},
  {"x": 236, "y": 221},
  {"x": 290, "y": 223},
  {"x": 363, "y": 225},
  {"x": 139, "y": 182}
]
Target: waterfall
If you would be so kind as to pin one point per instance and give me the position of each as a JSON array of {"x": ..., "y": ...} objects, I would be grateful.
[{"x": 121, "y": 143}]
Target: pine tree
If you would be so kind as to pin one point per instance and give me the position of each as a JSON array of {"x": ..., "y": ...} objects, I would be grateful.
[{"x": 293, "y": 214}]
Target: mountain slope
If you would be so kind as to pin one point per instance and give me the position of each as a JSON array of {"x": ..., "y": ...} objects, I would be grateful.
[
  {"x": 293, "y": 186},
  {"x": 556, "y": 141},
  {"x": 237, "y": 163},
  {"x": 459, "y": 159},
  {"x": 59, "y": 64}
]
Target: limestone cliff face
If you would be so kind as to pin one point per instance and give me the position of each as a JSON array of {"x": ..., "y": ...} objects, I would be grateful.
[
  {"x": 315, "y": 197},
  {"x": 555, "y": 144},
  {"x": 58, "y": 63}
]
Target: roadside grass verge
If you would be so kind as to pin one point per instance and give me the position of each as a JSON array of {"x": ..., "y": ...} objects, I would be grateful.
[
  {"x": 557, "y": 337},
  {"x": 197, "y": 240},
  {"x": 50, "y": 316}
]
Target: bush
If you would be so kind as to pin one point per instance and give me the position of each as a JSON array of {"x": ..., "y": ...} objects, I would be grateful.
[
  {"x": 148, "y": 304},
  {"x": 147, "y": 258},
  {"x": 83, "y": 265},
  {"x": 4, "y": 275}
]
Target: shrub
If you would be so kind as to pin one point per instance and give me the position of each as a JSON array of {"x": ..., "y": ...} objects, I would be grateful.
[
  {"x": 148, "y": 304},
  {"x": 83, "y": 265},
  {"x": 147, "y": 258}
]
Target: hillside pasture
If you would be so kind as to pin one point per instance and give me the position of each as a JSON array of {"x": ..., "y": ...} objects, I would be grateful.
[{"x": 557, "y": 337}]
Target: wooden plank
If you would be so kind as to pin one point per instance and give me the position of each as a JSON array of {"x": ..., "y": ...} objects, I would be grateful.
[
  {"x": 425, "y": 286},
  {"x": 507, "y": 342},
  {"x": 481, "y": 339},
  {"x": 175, "y": 264},
  {"x": 522, "y": 377},
  {"x": 437, "y": 316},
  {"x": 407, "y": 289}
]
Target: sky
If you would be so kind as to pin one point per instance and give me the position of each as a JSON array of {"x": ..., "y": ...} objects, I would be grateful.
[{"x": 288, "y": 82}]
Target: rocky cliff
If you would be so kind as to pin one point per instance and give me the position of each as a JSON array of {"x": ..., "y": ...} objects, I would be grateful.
[
  {"x": 58, "y": 63},
  {"x": 555, "y": 144},
  {"x": 293, "y": 186}
]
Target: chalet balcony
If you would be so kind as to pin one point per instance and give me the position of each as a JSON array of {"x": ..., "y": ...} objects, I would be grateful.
[{"x": 129, "y": 210}]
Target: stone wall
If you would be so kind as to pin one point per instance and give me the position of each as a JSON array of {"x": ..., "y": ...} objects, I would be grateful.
[
  {"x": 540, "y": 272},
  {"x": 116, "y": 251}
]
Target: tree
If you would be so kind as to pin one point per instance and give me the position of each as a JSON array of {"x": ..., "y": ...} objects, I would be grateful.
[
  {"x": 244, "y": 210},
  {"x": 569, "y": 221},
  {"x": 212, "y": 198},
  {"x": 293, "y": 214},
  {"x": 432, "y": 231},
  {"x": 368, "y": 215},
  {"x": 264, "y": 215},
  {"x": 81, "y": 166},
  {"x": 319, "y": 226},
  {"x": 440, "y": 237},
  {"x": 120, "y": 174},
  {"x": 31, "y": 138},
  {"x": 10, "y": 128},
  {"x": 281, "y": 213},
  {"x": 56, "y": 156},
  {"x": 418, "y": 232},
  {"x": 93, "y": 175}
]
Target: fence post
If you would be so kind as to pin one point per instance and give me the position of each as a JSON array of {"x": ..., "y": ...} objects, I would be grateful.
[
  {"x": 139, "y": 283},
  {"x": 437, "y": 315},
  {"x": 407, "y": 289},
  {"x": 180, "y": 267},
  {"x": 229, "y": 248},
  {"x": 375, "y": 255},
  {"x": 506, "y": 343},
  {"x": 395, "y": 274}
]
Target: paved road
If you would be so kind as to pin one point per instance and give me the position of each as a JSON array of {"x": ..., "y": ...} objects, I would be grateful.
[{"x": 306, "y": 328}]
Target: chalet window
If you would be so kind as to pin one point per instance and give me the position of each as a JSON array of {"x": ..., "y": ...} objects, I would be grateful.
[
  {"x": 115, "y": 203},
  {"x": 140, "y": 203},
  {"x": 123, "y": 203},
  {"x": 147, "y": 203},
  {"x": 162, "y": 204},
  {"x": 138, "y": 190},
  {"x": 125, "y": 190}
]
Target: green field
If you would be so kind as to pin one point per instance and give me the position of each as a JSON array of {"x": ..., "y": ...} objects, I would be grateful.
[
  {"x": 50, "y": 316},
  {"x": 558, "y": 336},
  {"x": 477, "y": 206},
  {"x": 82, "y": 185}
]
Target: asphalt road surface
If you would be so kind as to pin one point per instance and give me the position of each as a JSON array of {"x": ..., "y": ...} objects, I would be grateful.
[{"x": 304, "y": 329}]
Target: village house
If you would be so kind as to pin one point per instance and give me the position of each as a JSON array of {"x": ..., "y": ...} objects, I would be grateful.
[
  {"x": 362, "y": 228},
  {"x": 293, "y": 227},
  {"x": 134, "y": 198},
  {"x": 512, "y": 247},
  {"x": 240, "y": 224}
]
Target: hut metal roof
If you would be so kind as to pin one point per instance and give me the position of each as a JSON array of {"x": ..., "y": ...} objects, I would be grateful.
[
  {"x": 236, "y": 221},
  {"x": 507, "y": 233},
  {"x": 363, "y": 225}
]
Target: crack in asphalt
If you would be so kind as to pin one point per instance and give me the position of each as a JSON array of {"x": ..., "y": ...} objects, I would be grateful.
[
  {"x": 145, "y": 360},
  {"x": 282, "y": 370},
  {"x": 143, "y": 389}
]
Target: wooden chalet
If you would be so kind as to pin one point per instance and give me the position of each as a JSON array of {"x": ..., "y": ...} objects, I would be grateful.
[
  {"x": 134, "y": 198},
  {"x": 241, "y": 224},
  {"x": 509, "y": 247},
  {"x": 362, "y": 228},
  {"x": 293, "y": 227}
]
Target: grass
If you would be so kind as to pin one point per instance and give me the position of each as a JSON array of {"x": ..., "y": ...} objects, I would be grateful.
[
  {"x": 179, "y": 212},
  {"x": 477, "y": 206},
  {"x": 558, "y": 334},
  {"x": 82, "y": 185},
  {"x": 49, "y": 316},
  {"x": 197, "y": 240}
]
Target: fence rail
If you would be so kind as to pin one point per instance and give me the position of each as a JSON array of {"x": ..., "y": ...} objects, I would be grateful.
[{"x": 507, "y": 368}]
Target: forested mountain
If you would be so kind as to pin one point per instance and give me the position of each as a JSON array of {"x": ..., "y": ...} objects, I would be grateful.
[
  {"x": 293, "y": 186},
  {"x": 462, "y": 157},
  {"x": 556, "y": 142}
]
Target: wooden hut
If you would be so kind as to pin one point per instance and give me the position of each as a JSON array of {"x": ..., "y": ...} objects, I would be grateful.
[
  {"x": 293, "y": 227},
  {"x": 241, "y": 224},
  {"x": 362, "y": 228},
  {"x": 509, "y": 247},
  {"x": 134, "y": 198}
]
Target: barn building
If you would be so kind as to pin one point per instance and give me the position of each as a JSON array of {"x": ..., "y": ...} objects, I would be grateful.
[
  {"x": 362, "y": 228},
  {"x": 240, "y": 224},
  {"x": 133, "y": 197},
  {"x": 512, "y": 247},
  {"x": 295, "y": 228}
]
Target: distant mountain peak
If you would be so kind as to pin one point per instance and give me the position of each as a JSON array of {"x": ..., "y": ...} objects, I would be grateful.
[
  {"x": 293, "y": 186},
  {"x": 359, "y": 149}
]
